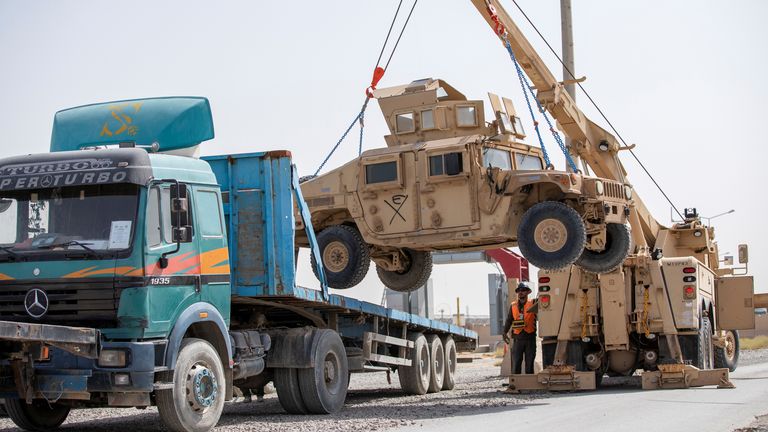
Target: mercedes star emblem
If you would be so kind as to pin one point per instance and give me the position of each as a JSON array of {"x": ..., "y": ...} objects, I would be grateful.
[{"x": 36, "y": 302}]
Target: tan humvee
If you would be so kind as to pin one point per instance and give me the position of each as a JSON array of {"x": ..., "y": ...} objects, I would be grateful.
[{"x": 450, "y": 180}]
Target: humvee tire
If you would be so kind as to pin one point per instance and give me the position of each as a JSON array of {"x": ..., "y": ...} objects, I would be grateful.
[
  {"x": 346, "y": 257},
  {"x": 618, "y": 242},
  {"x": 414, "y": 277},
  {"x": 551, "y": 235},
  {"x": 728, "y": 356}
]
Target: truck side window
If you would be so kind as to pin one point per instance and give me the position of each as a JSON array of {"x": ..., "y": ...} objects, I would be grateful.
[
  {"x": 427, "y": 120},
  {"x": 381, "y": 172},
  {"x": 446, "y": 164},
  {"x": 9, "y": 228},
  {"x": 165, "y": 212},
  {"x": 153, "y": 218},
  {"x": 465, "y": 116},
  {"x": 210, "y": 226},
  {"x": 404, "y": 123},
  {"x": 527, "y": 162}
]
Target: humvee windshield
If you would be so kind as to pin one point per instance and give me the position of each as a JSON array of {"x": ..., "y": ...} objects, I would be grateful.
[
  {"x": 496, "y": 158},
  {"x": 527, "y": 162}
]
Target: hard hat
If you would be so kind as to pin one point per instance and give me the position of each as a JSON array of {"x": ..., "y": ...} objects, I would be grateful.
[{"x": 522, "y": 286}]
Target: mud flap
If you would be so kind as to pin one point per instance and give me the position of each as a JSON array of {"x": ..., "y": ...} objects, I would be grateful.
[
  {"x": 679, "y": 376},
  {"x": 554, "y": 378}
]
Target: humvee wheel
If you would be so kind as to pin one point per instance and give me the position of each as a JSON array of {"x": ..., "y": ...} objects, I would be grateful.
[
  {"x": 551, "y": 235},
  {"x": 346, "y": 256},
  {"x": 38, "y": 416},
  {"x": 728, "y": 356},
  {"x": 418, "y": 268},
  {"x": 617, "y": 247}
]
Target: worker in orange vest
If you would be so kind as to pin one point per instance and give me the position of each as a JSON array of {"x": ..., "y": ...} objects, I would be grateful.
[{"x": 522, "y": 321}]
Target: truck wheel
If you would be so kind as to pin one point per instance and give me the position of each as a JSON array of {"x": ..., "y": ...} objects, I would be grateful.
[
  {"x": 449, "y": 347},
  {"x": 196, "y": 401},
  {"x": 617, "y": 246},
  {"x": 437, "y": 369},
  {"x": 698, "y": 348},
  {"x": 289, "y": 391},
  {"x": 551, "y": 235},
  {"x": 414, "y": 379},
  {"x": 728, "y": 356},
  {"x": 345, "y": 256},
  {"x": 38, "y": 416},
  {"x": 416, "y": 274},
  {"x": 324, "y": 387}
]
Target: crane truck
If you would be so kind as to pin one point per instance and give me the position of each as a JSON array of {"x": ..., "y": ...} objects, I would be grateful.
[
  {"x": 669, "y": 309},
  {"x": 133, "y": 273}
]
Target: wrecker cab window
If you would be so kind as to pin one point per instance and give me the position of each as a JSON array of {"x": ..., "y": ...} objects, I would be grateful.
[
  {"x": 528, "y": 162},
  {"x": 466, "y": 116},
  {"x": 497, "y": 158},
  {"x": 72, "y": 222},
  {"x": 383, "y": 172},
  {"x": 448, "y": 164},
  {"x": 427, "y": 120},
  {"x": 404, "y": 123}
]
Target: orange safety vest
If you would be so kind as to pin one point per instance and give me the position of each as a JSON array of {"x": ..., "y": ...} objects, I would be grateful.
[{"x": 528, "y": 320}]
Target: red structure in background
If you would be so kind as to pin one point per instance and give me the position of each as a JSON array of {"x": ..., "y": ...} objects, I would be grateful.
[{"x": 514, "y": 265}]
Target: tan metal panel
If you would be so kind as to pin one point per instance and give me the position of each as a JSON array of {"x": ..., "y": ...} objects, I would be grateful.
[{"x": 735, "y": 305}]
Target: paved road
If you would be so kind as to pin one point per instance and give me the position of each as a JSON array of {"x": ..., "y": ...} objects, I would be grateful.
[{"x": 700, "y": 410}]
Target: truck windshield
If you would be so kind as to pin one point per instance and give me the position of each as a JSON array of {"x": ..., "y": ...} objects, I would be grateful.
[
  {"x": 78, "y": 221},
  {"x": 496, "y": 158}
]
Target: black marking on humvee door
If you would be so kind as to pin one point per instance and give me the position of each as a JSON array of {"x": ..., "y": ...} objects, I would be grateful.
[{"x": 399, "y": 201}]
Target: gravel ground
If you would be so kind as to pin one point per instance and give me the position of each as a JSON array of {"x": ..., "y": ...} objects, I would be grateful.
[{"x": 373, "y": 404}]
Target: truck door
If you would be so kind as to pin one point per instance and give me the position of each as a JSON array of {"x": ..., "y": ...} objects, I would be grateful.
[
  {"x": 734, "y": 301},
  {"x": 212, "y": 246},
  {"x": 387, "y": 191},
  {"x": 445, "y": 198}
]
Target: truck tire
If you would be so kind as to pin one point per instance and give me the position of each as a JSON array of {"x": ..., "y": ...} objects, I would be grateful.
[
  {"x": 449, "y": 378},
  {"x": 728, "y": 356},
  {"x": 437, "y": 369},
  {"x": 324, "y": 387},
  {"x": 617, "y": 246},
  {"x": 551, "y": 235},
  {"x": 196, "y": 401},
  {"x": 414, "y": 277},
  {"x": 346, "y": 257},
  {"x": 38, "y": 416},
  {"x": 414, "y": 379},
  {"x": 698, "y": 348},
  {"x": 289, "y": 391}
]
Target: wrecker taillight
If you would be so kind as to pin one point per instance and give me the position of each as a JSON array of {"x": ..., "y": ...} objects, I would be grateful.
[
  {"x": 689, "y": 291},
  {"x": 544, "y": 279},
  {"x": 544, "y": 300},
  {"x": 689, "y": 270}
]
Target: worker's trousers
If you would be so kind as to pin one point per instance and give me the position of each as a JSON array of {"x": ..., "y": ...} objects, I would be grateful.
[{"x": 523, "y": 348}]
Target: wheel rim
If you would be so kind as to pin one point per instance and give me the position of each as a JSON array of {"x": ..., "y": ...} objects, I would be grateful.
[
  {"x": 202, "y": 387},
  {"x": 451, "y": 361},
  {"x": 336, "y": 256},
  {"x": 439, "y": 363},
  {"x": 550, "y": 235},
  {"x": 424, "y": 364},
  {"x": 332, "y": 373},
  {"x": 730, "y": 345}
]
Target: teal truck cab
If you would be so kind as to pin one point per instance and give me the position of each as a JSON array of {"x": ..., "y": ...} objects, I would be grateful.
[{"x": 133, "y": 273}]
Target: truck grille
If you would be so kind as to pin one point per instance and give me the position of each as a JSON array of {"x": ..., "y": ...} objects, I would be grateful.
[
  {"x": 614, "y": 190},
  {"x": 78, "y": 302}
]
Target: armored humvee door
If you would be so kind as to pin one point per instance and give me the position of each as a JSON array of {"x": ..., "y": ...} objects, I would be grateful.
[{"x": 387, "y": 189}]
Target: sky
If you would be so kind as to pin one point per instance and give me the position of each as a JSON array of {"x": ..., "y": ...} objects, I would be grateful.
[{"x": 684, "y": 80}]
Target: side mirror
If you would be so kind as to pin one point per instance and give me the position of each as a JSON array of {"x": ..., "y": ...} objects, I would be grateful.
[
  {"x": 743, "y": 254},
  {"x": 5, "y": 204},
  {"x": 182, "y": 228},
  {"x": 728, "y": 260}
]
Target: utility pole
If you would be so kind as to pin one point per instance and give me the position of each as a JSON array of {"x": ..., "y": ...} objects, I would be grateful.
[{"x": 566, "y": 31}]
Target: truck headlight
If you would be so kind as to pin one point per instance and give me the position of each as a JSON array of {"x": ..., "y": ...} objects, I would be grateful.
[
  {"x": 628, "y": 192},
  {"x": 599, "y": 188},
  {"x": 112, "y": 358}
]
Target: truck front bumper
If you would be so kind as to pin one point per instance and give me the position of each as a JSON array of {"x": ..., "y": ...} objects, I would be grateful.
[{"x": 70, "y": 369}]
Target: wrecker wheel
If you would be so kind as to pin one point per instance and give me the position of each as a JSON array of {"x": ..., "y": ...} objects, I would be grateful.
[
  {"x": 617, "y": 247},
  {"x": 346, "y": 257},
  {"x": 419, "y": 268},
  {"x": 728, "y": 356},
  {"x": 39, "y": 416},
  {"x": 551, "y": 235}
]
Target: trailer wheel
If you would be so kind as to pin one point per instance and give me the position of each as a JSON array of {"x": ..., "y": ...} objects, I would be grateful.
[
  {"x": 617, "y": 246},
  {"x": 346, "y": 257},
  {"x": 449, "y": 378},
  {"x": 437, "y": 358},
  {"x": 289, "y": 391},
  {"x": 416, "y": 274},
  {"x": 324, "y": 387},
  {"x": 728, "y": 356},
  {"x": 38, "y": 416},
  {"x": 551, "y": 235},
  {"x": 196, "y": 401},
  {"x": 414, "y": 379}
]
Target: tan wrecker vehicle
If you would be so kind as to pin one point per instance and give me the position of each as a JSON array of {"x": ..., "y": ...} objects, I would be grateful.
[
  {"x": 669, "y": 310},
  {"x": 450, "y": 179}
]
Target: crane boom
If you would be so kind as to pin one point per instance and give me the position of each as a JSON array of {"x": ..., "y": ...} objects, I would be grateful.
[{"x": 587, "y": 137}]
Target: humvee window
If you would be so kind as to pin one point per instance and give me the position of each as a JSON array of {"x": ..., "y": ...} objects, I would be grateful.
[
  {"x": 465, "y": 116},
  {"x": 449, "y": 164},
  {"x": 518, "y": 125},
  {"x": 381, "y": 172},
  {"x": 427, "y": 120},
  {"x": 496, "y": 158},
  {"x": 404, "y": 123},
  {"x": 527, "y": 162}
]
